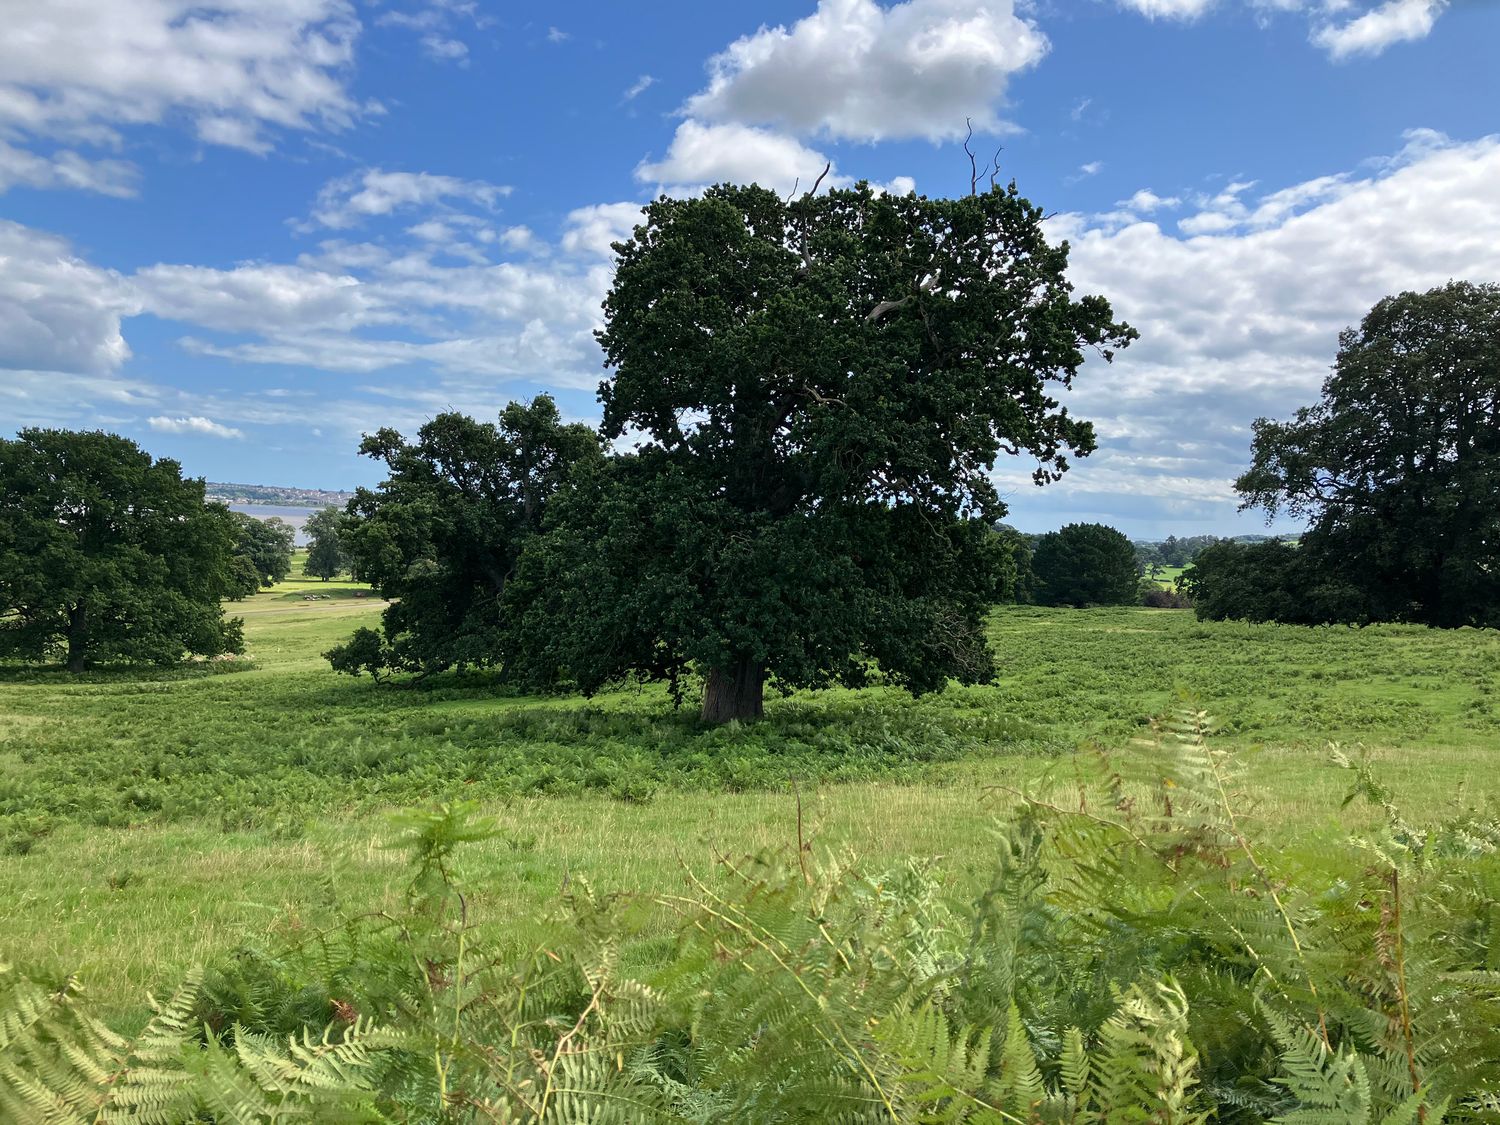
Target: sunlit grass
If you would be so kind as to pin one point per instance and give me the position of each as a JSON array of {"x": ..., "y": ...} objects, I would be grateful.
[{"x": 240, "y": 801}]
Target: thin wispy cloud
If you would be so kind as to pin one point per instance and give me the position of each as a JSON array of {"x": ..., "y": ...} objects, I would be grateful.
[{"x": 195, "y": 424}]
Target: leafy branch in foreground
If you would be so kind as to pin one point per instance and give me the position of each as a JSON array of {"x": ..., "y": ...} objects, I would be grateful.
[{"x": 1141, "y": 953}]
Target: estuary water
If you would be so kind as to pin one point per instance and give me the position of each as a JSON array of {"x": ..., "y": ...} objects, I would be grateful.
[{"x": 297, "y": 517}]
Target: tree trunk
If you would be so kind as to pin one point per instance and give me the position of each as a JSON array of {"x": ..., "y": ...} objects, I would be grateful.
[
  {"x": 78, "y": 637},
  {"x": 736, "y": 692}
]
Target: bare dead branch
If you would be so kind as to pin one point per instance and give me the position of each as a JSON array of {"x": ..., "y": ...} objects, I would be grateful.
[
  {"x": 826, "y": 400},
  {"x": 973, "y": 166},
  {"x": 819, "y": 181},
  {"x": 889, "y": 306},
  {"x": 886, "y": 307},
  {"x": 807, "y": 262}
]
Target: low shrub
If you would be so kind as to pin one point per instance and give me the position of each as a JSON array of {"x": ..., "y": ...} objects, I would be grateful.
[{"x": 1161, "y": 598}]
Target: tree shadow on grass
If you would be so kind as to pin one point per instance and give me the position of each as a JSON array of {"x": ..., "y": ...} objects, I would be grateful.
[{"x": 12, "y": 672}]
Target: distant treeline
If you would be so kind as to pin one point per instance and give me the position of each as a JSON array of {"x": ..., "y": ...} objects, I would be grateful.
[{"x": 816, "y": 392}]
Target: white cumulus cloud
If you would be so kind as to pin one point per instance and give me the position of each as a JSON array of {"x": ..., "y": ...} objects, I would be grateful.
[
  {"x": 58, "y": 312},
  {"x": 1396, "y": 21},
  {"x": 65, "y": 168},
  {"x": 703, "y": 154},
  {"x": 350, "y": 200},
  {"x": 260, "y": 297},
  {"x": 1169, "y": 9},
  {"x": 1241, "y": 319},
  {"x": 859, "y": 71},
  {"x": 241, "y": 69},
  {"x": 591, "y": 230},
  {"x": 1343, "y": 28}
]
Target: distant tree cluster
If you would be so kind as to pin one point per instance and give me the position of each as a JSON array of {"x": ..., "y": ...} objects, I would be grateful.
[
  {"x": 1171, "y": 551},
  {"x": 1397, "y": 471},
  {"x": 107, "y": 555}
]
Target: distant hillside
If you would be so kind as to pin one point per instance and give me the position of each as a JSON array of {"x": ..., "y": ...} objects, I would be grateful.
[{"x": 276, "y": 494}]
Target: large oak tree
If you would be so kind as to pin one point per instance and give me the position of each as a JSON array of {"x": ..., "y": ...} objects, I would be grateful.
[
  {"x": 818, "y": 389},
  {"x": 106, "y": 554}
]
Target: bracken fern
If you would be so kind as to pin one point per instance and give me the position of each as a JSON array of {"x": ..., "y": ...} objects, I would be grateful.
[{"x": 1137, "y": 955}]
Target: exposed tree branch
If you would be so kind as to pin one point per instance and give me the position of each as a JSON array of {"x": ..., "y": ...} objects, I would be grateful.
[
  {"x": 819, "y": 181},
  {"x": 889, "y": 306},
  {"x": 807, "y": 262},
  {"x": 826, "y": 400},
  {"x": 973, "y": 165}
]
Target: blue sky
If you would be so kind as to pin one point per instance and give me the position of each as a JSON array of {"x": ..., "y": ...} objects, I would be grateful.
[{"x": 244, "y": 231}]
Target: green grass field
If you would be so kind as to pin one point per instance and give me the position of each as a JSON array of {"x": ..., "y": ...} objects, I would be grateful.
[
  {"x": 149, "y": 820},
  {"x": 1167, "y": 576}
]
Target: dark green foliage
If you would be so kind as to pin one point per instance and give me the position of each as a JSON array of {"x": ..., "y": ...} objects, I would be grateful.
[
  {"x": 1085, "y": 564},
  {"x": 267, "y": 544},
  {"x": 244, "y": 579},
  {"x": 1021, "y": 587},
  {"x": 1137, "y": 955},
  {"x": 1398, "y": 466},
  {"x": 441, "y": 536},
  {"x": 364, "y": 651},
  {"x": 107, "y": 555},
  {"x": 612, "y": 590},
  {"x": 1239, "y": 582},
  {"x": 822, "y": 386},
  {"x": 326, "y": 555}
]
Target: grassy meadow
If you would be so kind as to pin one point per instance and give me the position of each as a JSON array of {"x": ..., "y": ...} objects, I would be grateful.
[
  {"x": 1167, "y": 576},
  {"x": 151, "y": 820}
]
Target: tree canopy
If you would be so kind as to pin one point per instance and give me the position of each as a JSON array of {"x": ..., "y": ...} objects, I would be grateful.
[
  {"x": 1085, "y": 564},
  {"x": 326, "y": 555},
  {"x": 1397, "y": 467},
  {"x": 108, "y": 555},
  {"x": 268, "y": 544},
  {"x": 818, "y": 389},
  {"x": 442, "y": 534}
]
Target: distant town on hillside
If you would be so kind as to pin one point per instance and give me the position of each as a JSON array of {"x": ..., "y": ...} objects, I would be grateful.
[{"x": 275, "y": 494}]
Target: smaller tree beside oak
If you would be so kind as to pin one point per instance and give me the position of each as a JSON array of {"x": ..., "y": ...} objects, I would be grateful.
[
  {"x": 108, "y": 555},
  {"x": 442, "y": 535}
]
